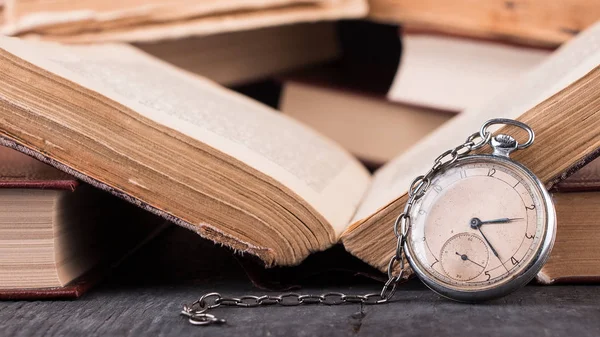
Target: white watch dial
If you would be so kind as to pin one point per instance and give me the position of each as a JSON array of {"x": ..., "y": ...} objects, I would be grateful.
[{"x": 480, "y": 224}]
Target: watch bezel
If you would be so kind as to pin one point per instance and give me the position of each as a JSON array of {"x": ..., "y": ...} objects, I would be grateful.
[{"x": 528, "y": 273}]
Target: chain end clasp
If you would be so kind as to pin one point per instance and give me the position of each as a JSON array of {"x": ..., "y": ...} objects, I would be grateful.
[
  {"x": 200, "y": 318},
  {"x": 205, "y": 319}
]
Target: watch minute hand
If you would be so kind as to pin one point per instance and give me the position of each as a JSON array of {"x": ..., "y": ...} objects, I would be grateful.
[
  {"x": 501, "y": 220},
  {"x": 476, "y": 222},
  {"x": 491, "y": 247},
  {"x": 488, "y": 242}
]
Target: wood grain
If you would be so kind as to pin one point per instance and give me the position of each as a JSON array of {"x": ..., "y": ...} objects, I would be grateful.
[{"x": 117, "y": 310}]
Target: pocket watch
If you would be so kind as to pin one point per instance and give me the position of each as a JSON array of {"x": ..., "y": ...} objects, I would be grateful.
[
  {"x": 478, "y": 227},
  {"x": 475, "y": 227}
]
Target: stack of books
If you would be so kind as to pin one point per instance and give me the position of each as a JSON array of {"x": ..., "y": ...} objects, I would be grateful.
[{"x": 104, "y": 143}]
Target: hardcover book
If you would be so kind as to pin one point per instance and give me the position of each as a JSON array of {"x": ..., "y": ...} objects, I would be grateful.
[
  {"x": 576, "y": 253},
  {"x": 57, "y": 236}
]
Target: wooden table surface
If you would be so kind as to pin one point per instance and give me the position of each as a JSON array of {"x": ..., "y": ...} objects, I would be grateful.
[{"x": 144, "y": 296}]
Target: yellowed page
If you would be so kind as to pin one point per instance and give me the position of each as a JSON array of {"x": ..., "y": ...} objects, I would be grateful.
[
  {"x": 130, "y": 30},
  {"x": 565, "y": 66},
  {"x": 318, "y": 170},
  {"x": 26, "y": 238},
  {"x": 23, "y": 15}
]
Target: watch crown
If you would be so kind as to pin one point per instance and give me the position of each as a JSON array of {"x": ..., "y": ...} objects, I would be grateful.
[{"x": 503, "y": 145}]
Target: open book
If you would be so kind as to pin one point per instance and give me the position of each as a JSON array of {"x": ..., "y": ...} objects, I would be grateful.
[
  {"x": 237, "y": 172},
  {"x": 531, "y": 21},
  {"x": 87, "y": 21}
]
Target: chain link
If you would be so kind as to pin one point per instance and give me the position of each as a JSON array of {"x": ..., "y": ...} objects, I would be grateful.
[{"x": 196, "y": 312}]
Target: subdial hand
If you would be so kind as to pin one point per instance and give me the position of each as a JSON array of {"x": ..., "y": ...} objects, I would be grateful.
[
  {"x": 476, "y": 222},
  {"x": 464, "y": 257}
]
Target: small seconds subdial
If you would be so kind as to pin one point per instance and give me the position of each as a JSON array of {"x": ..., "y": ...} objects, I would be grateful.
[{"x": 464, "y": 256}]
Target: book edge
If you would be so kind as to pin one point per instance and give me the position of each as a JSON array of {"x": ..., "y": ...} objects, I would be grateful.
[
  {"x": 82, "y": 284},
  {"x": 205, "y": 230},
  {"x": 50, "y": 184}
]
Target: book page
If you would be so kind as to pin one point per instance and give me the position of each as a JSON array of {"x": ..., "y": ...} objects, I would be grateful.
[
  {"x": 32, "y": 15},
  {"x": 80, "y": 32},
  {"x": 427, "y": 75},
  {"x": 569, "y": 63},
  {"x": 318, "y": 170}
]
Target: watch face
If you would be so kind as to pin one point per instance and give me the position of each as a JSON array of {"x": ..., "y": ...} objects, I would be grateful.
[{"x": 481, "y": 224}]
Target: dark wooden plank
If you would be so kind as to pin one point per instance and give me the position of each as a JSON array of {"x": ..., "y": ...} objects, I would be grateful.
[
  {"x": 153, "y": 310},
  {"x": 145, "y": 295}
]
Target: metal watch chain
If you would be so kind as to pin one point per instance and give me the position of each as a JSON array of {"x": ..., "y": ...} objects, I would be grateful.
[{"x": 197, "y": 311}]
